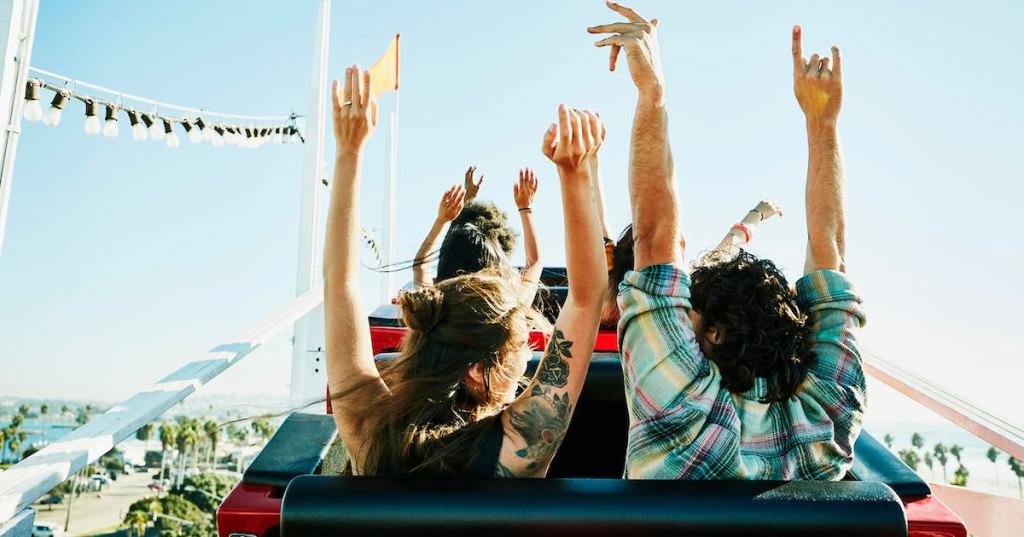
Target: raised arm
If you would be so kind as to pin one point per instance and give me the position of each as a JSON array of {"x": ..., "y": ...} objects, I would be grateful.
[
  {"x": 819, "y": 91},
  {"x": 349, "y": 358},
  {"x": 523, "y": 191},
  {"x": 472, "y": 185},
  {"x": 536, "y": 422},
  {"x": 447, "y": 210},
  {"x": 742, "y": 232},
  {"x": 595, "y": 176},
  {"x": 656, "y": 233}
]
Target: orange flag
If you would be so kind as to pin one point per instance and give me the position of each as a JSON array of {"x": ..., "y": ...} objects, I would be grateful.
[{"x": 384, "y": 73}]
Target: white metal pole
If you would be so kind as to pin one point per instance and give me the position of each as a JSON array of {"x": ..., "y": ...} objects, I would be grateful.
[
  {"x": 307, "y": 376},
  {"x": 17, "y": 31},
  {"x": 387, "y": 288}
]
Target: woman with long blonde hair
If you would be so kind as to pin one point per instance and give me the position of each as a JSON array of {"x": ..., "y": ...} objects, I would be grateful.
[{"x": 448, "y": 405}]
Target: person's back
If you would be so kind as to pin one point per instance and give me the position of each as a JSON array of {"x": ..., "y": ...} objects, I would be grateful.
[
  {"x": 735, "y": 375},
  {"x": 449, "y": 404}
]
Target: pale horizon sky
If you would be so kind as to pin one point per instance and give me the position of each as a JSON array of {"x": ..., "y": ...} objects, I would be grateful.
[{"x": 124, "y": 260}]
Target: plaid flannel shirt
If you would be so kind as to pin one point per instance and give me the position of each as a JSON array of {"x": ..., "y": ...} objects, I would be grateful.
[{"x": 684, "y": 425}]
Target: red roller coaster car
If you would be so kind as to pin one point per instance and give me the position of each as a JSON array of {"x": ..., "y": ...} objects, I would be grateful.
[{"x": 281, "y": 492}]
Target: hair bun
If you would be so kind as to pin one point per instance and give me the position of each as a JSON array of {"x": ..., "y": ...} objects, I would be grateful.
[{"x": 421, "y": 308}]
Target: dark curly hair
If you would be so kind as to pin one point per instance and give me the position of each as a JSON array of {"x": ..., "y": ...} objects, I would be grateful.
[
  {"x": 765, "y": 332},
  {"x": 490, "y": 220},
  {"x": 622, "y": 262}
]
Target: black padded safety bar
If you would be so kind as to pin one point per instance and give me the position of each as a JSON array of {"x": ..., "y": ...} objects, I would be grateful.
[
  {"x": 394, "y": 506},
  {"x": 297, "y": 448},
  {"x": 874, "y": 462}
]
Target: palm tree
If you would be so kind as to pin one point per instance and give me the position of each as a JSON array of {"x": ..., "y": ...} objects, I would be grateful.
[
  {"x": 137, "y": 522},
  {"x": 888, "y": 439},
  {"x": 1018, "y": 470},
  {"x": 960, "y": 477},
  {"x": 15, "y": 444},
  {"x": 23, "y": 411},
  {"x": 64, "y": 409},
  {"x": 910, "y": 457},
  {"x": 44, "y": 409},
  {"x": 942, "y": 455},
  {"x": 956, "y": 451},
  {"x": 930, "y": 463},
  {"x": 187, "y": 437},
  {"x": 4, "y": 433},
  {"x": 212, "y": 431},
  {"x": 917, "y": 441},
  {"x": 145, "y": 433},
  {"x": 993, "y": 456},
  {"x": 168, "y": 438}
]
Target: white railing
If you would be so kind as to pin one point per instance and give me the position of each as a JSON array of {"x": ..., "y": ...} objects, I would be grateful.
[{"x": 25, "y": 482}]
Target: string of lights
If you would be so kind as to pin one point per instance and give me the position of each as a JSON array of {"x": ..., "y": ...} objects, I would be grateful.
[{"x": 212, "y": 127}]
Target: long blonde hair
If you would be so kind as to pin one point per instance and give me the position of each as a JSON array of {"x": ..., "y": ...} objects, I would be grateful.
[{"x": 428, "y": 422}]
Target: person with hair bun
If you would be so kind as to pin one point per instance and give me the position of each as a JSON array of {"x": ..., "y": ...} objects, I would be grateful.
[{"x": 449, "y": 403}]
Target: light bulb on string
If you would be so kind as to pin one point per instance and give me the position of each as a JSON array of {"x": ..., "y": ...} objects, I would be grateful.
[
  {"x": 156, "y": 129},
  {"x": 140, "y": 131},
  {"x": 194, "y": 134},
  {"x": 278, "y": 137},
  {"x": 293, "y": 134},
  {"x": 110, "y": 123},
  {"x": 92, "y": 123},
  {"x": 217, "y": 139},
  {"x": 208, "y": 132},
  {"x": 52, "y": 116},
  {"x": 172, "y": 137},
  {"x": 250, "y": 142},
  {"x": 33, "y": 110}
]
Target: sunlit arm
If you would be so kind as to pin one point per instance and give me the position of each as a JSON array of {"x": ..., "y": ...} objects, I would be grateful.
[
  {"x": 656, "y": 233},
  {"x": 352, "y": 377},
  {"x": 826, "y": 215},
  {"x": 535, "y": 424}
]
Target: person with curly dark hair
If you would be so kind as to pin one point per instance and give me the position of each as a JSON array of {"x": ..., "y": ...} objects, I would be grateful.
[
  {"x": 620, "y": 253},
  {"x": 730, "y": 373}
]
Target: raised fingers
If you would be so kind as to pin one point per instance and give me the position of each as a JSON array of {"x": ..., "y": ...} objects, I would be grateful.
[
  {"x": 579, "y": 140},
  {"x": 347, "y": 93},
  {"x": 367, "y": 90},
  {"x": 798, "y": 52},
  {"x": 547, "y": 145},
  {"x": 564, "y": 125},
  {"x": 629, "y": 13},
  {"x": 812, "y": 64},
  {"x": 335, "y": 98},
  {"x": 836, "y": 62},
  {"x": 614, "y": 58},
  {"x": 619, "y": 27},
  {"x": 356, "y": 81}
]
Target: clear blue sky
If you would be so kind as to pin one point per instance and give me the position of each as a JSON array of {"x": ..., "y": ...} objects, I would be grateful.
[{"x": 124, "y": 259}]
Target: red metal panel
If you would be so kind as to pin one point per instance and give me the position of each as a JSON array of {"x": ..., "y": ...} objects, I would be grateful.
[
  {"x": 929, "y": 517},
  {"x": 252, "y": 509}
]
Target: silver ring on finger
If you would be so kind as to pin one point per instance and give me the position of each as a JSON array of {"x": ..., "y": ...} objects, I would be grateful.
[{"x": 346, "y": 103}]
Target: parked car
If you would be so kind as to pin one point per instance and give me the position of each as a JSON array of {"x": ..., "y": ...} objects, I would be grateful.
[
  {"x": 52, "y": 499},
  {"x": 44, "y": 529},
  {"x": 101, "y": 478}
]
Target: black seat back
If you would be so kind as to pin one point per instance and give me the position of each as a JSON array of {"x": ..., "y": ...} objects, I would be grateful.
[
  {"x": 393, "y": 506},
  {"x": 595, "y": 444}
]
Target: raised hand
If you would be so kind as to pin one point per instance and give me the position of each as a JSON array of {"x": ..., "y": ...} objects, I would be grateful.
[
  {"x": 767, "y": 209},
  {"x": 573, "y": 141},
  {"x": 354, "y": 111},
  {"x": 451, "y": 203},
  {"x": 817, "y": 82},
  {"x": 639, "y": 37},
  {"x": 472, "y": 186},
  {"x": 525, "y": 189}
]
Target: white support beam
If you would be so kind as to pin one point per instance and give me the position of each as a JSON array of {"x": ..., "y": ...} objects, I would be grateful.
[
  {"x": 34, "y": 476},
  {"x": 17, "y": 30},
  {"x": 979, "y": 422},
  {"x": 308, "y": 376}
]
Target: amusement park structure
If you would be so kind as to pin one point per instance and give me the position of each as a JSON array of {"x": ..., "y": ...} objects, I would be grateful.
[{"x": 281, "y": 493}]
